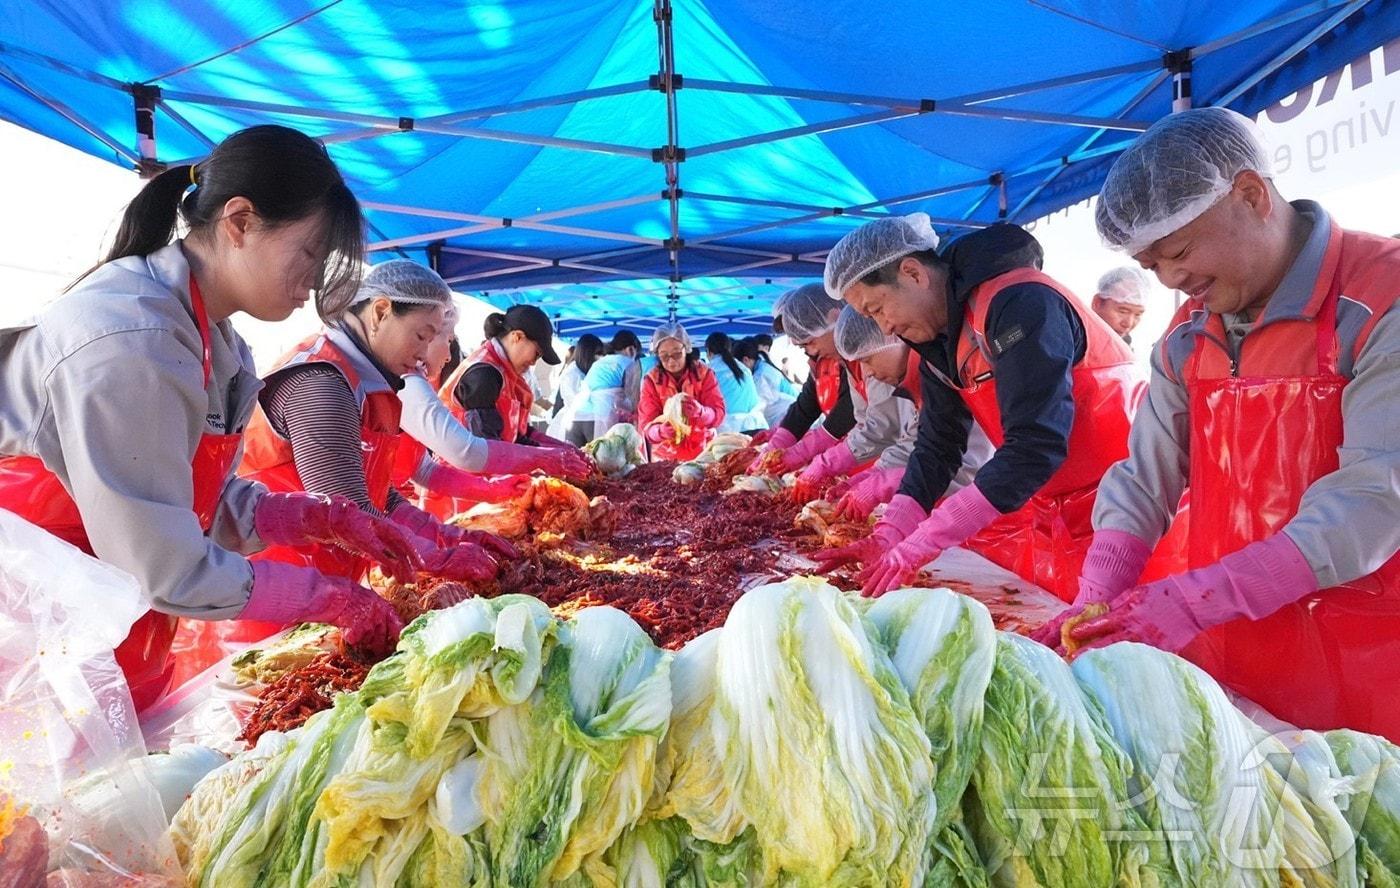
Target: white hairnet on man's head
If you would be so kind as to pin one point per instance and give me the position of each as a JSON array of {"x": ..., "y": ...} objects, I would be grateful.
[
  {"x": 875, "y": 245},
  {"x": 404, "y": 281},
  {"x": 1125, "y": 284},
  {"x": 670, "y": 331},
  {"x": 1174, "y": 172},
  {"x": 806, "y": 312},
  {"x": 858, "y": 337}
]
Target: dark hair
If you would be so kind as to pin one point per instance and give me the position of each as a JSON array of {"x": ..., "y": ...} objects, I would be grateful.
[
  {"x": 720, "y": 344},
  {"x": 454, "y": 358},
  {"x": 887, "y": 274},
  {"x": 495, "y": 325},
  {"x": 589, "y": 349},
  {"x": 287, "y": 177},
  {"x": 748, "y": 348},
  {"x": 762, "y": 340},
  {"x": 624, "y": 339}
]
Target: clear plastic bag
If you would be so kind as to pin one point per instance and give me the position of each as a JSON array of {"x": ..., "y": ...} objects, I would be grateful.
[{"x": 71, "y": 753}]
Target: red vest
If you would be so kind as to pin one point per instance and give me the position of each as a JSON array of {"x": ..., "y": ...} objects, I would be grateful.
[
  {"x": 514, "y": 401},
  {"x": 268, "y": 456},
  {"x": 692, "y": 383},
  {"x": 1261, "y": 433}
]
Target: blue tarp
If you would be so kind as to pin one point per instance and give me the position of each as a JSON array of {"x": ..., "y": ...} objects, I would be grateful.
[{"x": 521, "y": 146}]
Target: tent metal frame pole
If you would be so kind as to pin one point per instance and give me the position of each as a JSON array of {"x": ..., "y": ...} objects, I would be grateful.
[
  {"x": 440, "y": 234},
  {"x": 746, "y": 251},
  {"x": 185, "y": 125},
  {"x": 1295, "y": 15},
  {"x": 496, "y": 272},
  {"x": 608, "y": 254},
  {"x": 69, "y": 114},
  {"x": 921, "y": 195},
  {"x": 602, "y": 269},
  {"x": 760, "y": 263},
  {"x": 495, "y": 110},
  {"x": 981, "y": 199},
  {"x": 1020, "y": 116},
  {"x": 906, "y": 103},
  {"x": 812, "y": 129},
  {"x": 62, "y": 67},
  {"x": 1054, "y": 174},
  {"x": 502, "y": 222},
  {"x": 406, "y": 124},
  {"x": 776, "y": 204},
  {"x": 671, "y": 153},
  {"x": 1287, "y": 55}
]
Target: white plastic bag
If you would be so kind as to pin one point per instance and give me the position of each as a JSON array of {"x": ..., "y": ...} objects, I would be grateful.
[{"x": 68, "y": 730}]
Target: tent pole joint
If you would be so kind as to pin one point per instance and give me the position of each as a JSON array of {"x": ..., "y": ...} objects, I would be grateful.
[
  {"x": 145, "y": 98},
  {"x": 1179, "y": 63},
  {"x": 666, "y": 83},
  {"x": 406, "y": 124},
  {"x": 668, "y": 154}
]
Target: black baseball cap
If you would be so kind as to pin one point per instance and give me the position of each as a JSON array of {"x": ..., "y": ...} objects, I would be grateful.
[{"x": 534, "y": 323}]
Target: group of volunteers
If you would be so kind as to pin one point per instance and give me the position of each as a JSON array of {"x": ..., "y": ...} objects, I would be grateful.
[
  {"x": 736, "y": 388},
  {"x": 1241, "y": 506}
]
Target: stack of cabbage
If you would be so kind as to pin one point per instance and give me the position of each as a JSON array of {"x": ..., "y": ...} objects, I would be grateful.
[
  {"x": 815, "y": 739},
  {"x": 725, "y": 443}
]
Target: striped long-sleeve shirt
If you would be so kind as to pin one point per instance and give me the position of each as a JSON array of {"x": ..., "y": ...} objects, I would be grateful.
[{"x": 313, "y": 408}]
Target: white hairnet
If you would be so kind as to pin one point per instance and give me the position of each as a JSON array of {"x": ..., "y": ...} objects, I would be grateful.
[
  {"x": 806, "y": 312},
  {"x": 1174, "y": 172},
  {"x": 858, "y": 337},
  {"x": 1125, "y": 284},
  {"x": 669, "y": 331},
  {"x": 875, "y": 245},
  {"x": 404, "y": 281}
]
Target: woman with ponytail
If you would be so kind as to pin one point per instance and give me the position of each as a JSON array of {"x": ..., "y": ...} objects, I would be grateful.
[
  {"x": 775, "y": 391},
  {"x": 743, "y": 411},
  {"x": 490, "y": 395},
  {"x": 122, "y": 406}
]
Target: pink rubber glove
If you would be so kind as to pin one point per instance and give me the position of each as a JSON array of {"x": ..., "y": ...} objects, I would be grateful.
[
  {"x": 451, "y": 481},
  {"x": 302, "y": 519},
  {"x": 781, "y": 439},
  {"x": 517, "y": 459},
  {"x": 1169, "y": 613},
  {"x": 813, "y": 444},
  {"x": 659, "y": 432},
  {"x": 427, "y": 528},
  {"x": 956, "y": 518},
  {"x": 837, "y": 460},
  {"x": 901, "y": 519},
  {"x": 867, "y": 490},
  {"x": 1113, "y": 563},
  {"x": 288, "y": 593}
]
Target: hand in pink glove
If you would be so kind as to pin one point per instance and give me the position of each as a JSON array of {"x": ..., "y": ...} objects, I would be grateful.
[
  {"x": 659, "y": 432},
  {"x": 900, "y": 520},
  {"x": 1168, "y": 614},
  {"x": 837, "y": 460},
  {"x": 446, "y": 536},
  {"x": 813, "y": 444},
  {"x": 1113, "y": 563},
  {"x": 953, "y": 521},
  {"x": 465, "y": 563},
  {"x": 781, "y": 439},
  {"x": 450, "y": 481},
  {"x": 288, "y": 593},
  {"x": 868, "y": 490},
  {"x": 301, "y": 519},
  {"x": 698, "y": 414},
  {"x": 561, "y": 460}
]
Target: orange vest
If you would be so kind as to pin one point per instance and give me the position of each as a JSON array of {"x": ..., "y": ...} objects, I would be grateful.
[
  {"x": 1106, "y": 392},
  {"x": 514, "y": 401},
  {"x": 268, "y": 456}
]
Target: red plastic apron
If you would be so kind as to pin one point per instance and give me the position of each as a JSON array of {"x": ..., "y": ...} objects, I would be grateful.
[
  {"x": 1045, "y": 540},
  {"x": 827, "y": 373},
  {"x": 34, "y": 493},
  {"x": 667, "y": 387},
  {"x": 1332, "y": 659}
]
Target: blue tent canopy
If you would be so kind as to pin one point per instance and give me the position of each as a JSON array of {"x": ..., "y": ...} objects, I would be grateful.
[{"x": 618, "y": 160}]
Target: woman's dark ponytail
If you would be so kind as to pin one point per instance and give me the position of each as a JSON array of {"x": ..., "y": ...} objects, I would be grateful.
[
  {"x": 286, "y": 175},
  {"x": 495, "y": 326},
  {"x": 720, "y": 344}
]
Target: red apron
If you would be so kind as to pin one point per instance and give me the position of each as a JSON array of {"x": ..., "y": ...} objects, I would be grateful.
[
  {"x": 667, "y": 387},
  {"x": 1332, "y": 659},
  {"x": 827, "y": 373},
  {"x": 268, "y": 456},
  {"x": 1045, "y": 541},
  {"x": 514, "y": 401},
  {"x": 35, "y": 494}
]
